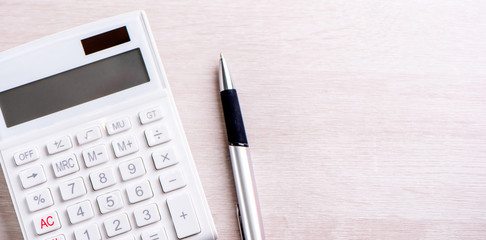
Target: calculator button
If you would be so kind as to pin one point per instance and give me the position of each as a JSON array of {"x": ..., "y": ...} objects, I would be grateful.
[
  {"x": 102, "y": 178},
  {"x": 164, "y": 158},
  {"x": 132, "y": 169},
  {"x": 26, "y": 156},
  {"x": 46, "y": 222},
  {"x": 95, "y": 155},
  {"x": 90, "y": 232},
  {"x": 183, "y": 216},
  {"x": 150, "y": 115},
  {"x": 59, "y": 145},
  {"x": 154, "y": 234},
  {"x": 128, "y": 238},
  {"x": 146, "y": 215},
  {"x": 139, "y": 192},
  {"x": 117, "y": 126},
  {"x": 80, "y": 212},
  {"x": 88, "y": 135},
  {"x": 110, "y": 201},
  {"x": 39, "y": 200},
  {"x": 72, "y": 189},
  {"x": 117, "y": 225},
  {"x": 172, "y": 180},
  {"x": 32, "y": 176},
  {"x": 65, "y": 165},
  {"x": 124, "y": 146},
  {"x": 59, "y": 237},
  {"x": 157, "y": 135}
]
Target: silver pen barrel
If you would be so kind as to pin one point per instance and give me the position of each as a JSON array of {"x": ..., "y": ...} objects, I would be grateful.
[{"x": 249, "y": 218}]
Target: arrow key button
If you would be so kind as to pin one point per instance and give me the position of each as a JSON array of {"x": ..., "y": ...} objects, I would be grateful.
[{"x": 32, "y": 176}]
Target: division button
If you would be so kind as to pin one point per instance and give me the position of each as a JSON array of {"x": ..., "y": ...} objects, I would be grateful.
[{"x": 157, "y": 135}]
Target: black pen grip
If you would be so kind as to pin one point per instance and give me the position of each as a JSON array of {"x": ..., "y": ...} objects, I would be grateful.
[{"x": 233, "y": 118}]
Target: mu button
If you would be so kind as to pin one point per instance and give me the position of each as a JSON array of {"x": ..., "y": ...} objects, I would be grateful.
[{"x": 47, "y": 222}]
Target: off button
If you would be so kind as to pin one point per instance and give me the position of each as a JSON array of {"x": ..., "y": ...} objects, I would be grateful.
[{"x": 26, "y": 156}]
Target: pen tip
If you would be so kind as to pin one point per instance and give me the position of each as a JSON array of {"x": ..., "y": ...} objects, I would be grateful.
[{"x": 221, "y": 55}]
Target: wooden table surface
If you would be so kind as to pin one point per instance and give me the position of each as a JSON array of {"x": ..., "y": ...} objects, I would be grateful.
[{"x": 367, "y": 119}]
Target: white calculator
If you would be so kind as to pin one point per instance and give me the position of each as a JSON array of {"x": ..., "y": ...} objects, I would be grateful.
[{"x": 91, "y": 143}]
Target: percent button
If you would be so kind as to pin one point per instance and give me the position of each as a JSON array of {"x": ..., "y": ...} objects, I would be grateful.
[{"x": 39, "y": 200}]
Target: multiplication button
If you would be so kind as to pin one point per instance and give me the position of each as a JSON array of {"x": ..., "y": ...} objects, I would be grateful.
[{"x": 164, "y": 158}]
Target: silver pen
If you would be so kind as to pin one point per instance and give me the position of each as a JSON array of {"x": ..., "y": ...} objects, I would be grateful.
[{"x": 248, "y": 208}]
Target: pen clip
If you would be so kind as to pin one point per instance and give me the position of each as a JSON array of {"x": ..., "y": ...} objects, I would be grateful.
[{"x": 238, "y": 217}]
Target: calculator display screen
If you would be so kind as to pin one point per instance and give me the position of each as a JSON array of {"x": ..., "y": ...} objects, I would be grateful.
[{"x": 73, "y": 87}]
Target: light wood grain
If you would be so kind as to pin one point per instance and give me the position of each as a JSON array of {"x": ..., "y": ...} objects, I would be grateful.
[{"x": 367, "y": 119}]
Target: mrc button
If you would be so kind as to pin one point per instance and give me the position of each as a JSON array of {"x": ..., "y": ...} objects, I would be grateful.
[
  {"x": 26, "y": 156},
  {"x": 65, "y": 165}
]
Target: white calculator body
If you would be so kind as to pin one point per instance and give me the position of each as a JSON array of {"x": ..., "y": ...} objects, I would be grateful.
[{"x": 91, "y": 144}]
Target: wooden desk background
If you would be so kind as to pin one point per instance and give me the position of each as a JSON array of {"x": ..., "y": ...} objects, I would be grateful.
[{"x": 367, "y": 119}]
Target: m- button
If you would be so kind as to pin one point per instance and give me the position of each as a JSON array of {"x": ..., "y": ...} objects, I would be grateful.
[{"x": 26, "y": 156}]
